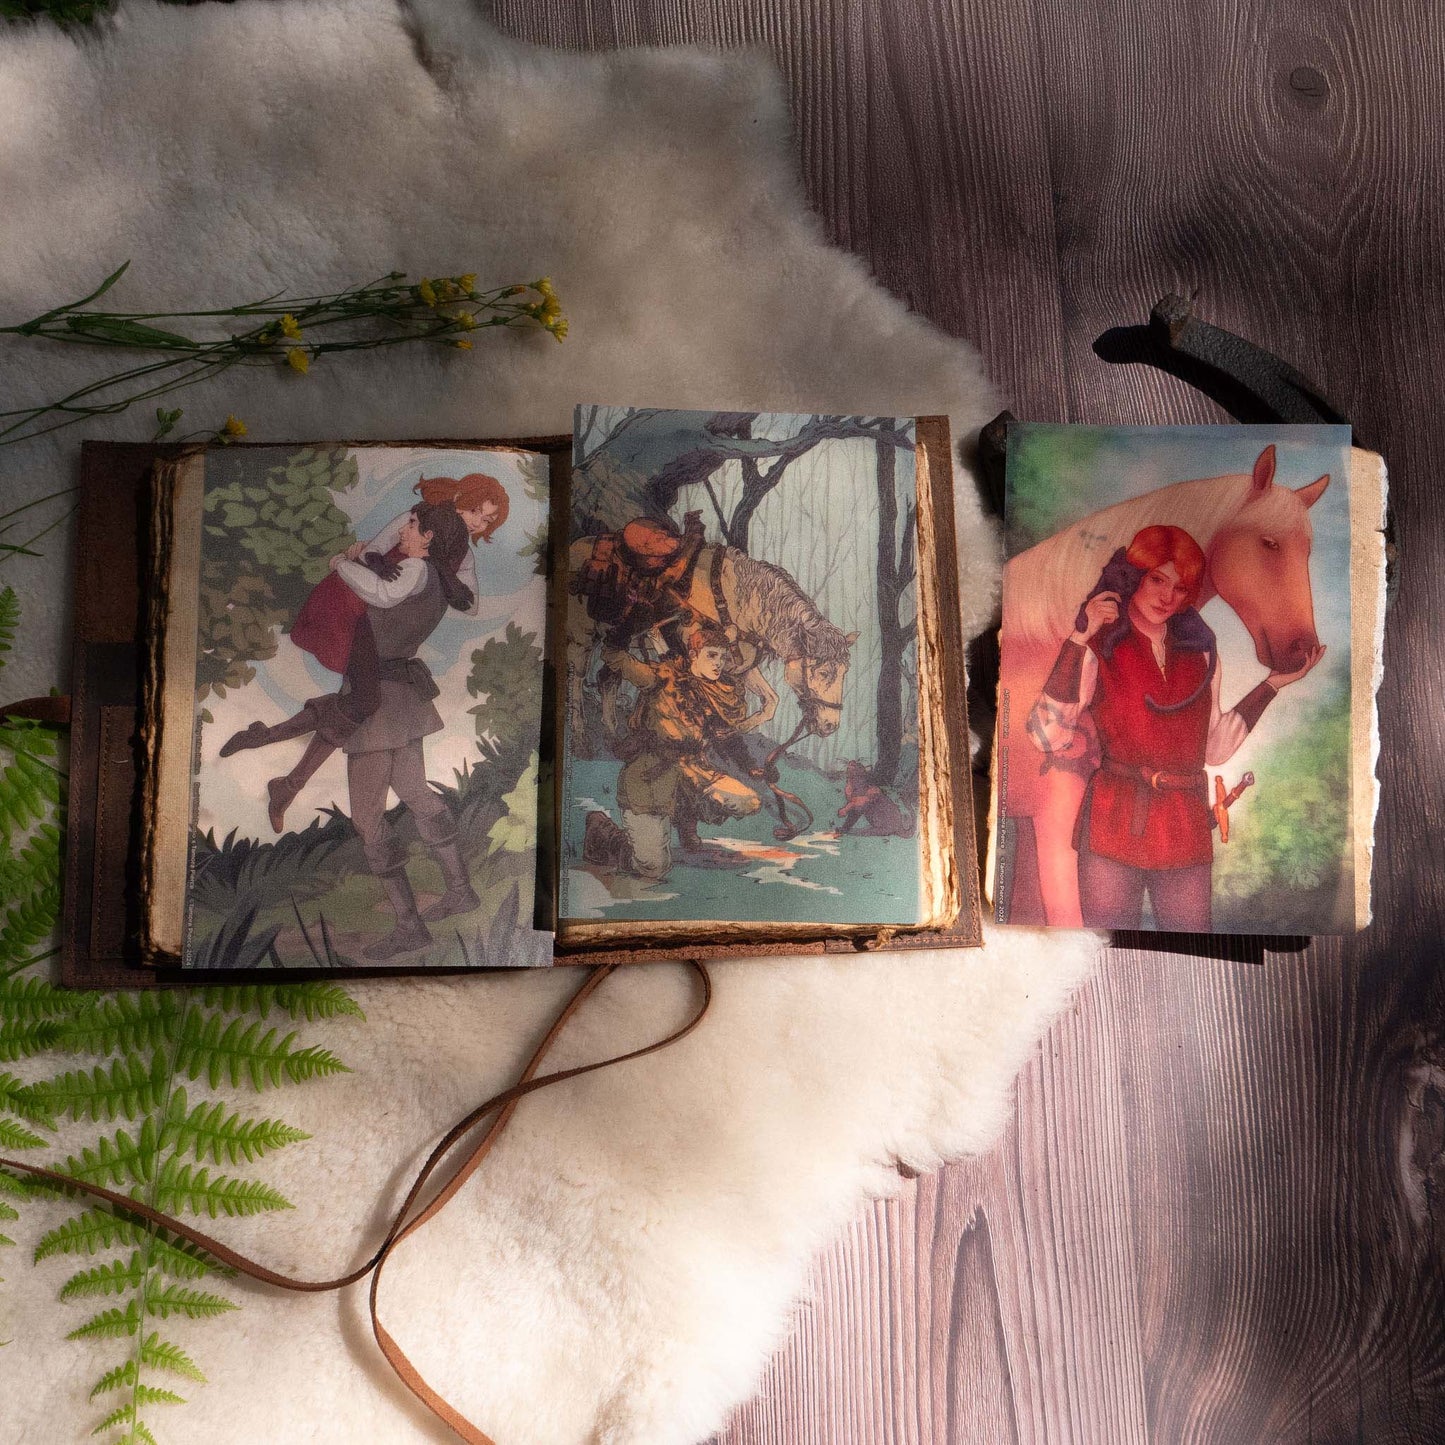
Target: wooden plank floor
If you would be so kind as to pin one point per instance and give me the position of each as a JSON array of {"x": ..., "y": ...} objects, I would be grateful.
[{"x": 1217, "y": 1215}]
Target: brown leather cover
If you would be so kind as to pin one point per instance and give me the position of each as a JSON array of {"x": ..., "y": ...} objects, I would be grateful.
[{"x": 98, "y": 946}]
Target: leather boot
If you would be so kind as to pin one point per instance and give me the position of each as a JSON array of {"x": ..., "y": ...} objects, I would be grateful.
[
  {"x": 460, "y": 897},
  {"x": 410, "y": 932},
  {"x": 605, "y": 844}
]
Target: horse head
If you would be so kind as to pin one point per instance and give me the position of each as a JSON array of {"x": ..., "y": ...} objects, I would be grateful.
[
  {"x": 1259, "y": 565},
  {"x": 817, "y": 679}
]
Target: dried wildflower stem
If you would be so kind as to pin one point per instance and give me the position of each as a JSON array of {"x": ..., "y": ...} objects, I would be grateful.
[{"x": 365, "y": 317}]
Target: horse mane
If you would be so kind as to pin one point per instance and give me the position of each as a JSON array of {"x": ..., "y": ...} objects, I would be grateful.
[
  {"x": 769, "y": 602},
  {"x": 1044, "y": 586}
]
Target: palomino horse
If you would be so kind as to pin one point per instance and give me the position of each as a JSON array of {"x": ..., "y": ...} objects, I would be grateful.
[
  {"x": 1255, "y": 535},
  {"x": 772, "y": 618}
]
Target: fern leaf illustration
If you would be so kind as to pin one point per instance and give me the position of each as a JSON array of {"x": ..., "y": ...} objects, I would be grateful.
[
  {"x": 131, "y": 1086},
  {"x": 160, "y": 1354},
  {"x": 180, "y": 1186},
  {"x": 124, "y": 1023},
  {"x": 309, "y": 1001},
  {"x": 111, "y": 1324},
  {"x": 193, "y": 1304},
  {"x": 225, "y": 1136},
  {"x": 228, "y": 1051},
  {"x": 114, "y": 1278}
]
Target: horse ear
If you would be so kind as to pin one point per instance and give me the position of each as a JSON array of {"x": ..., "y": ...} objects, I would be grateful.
[
  {"x": 1311, "y": 494},
  {"x": 850, "y": 638},
  {"x": 1264, "y": 468}
]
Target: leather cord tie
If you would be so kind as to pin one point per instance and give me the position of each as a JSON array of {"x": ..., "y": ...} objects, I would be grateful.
[{"x": 502, "y": 1105}]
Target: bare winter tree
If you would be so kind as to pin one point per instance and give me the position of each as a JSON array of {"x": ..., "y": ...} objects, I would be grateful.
[{"x": 896, "y": 570}]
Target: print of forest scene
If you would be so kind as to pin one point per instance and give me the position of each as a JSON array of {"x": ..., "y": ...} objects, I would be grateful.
[
  {"x": 1288, "y": 863},
  {"x": 305, "y": 898},
  {"x": 831, "y": 503}
]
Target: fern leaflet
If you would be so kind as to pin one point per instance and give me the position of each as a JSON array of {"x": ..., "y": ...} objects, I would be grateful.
[
  {"x": 310, "y": 1001},
  {"x": 17, "y": 1136},
  {"x": 129, "y": 1087},
  {"x": 222, "y": 1050},
  {"x": 225, "y": 1136},
  {"x": 160, "y": 1354},
  {"x": 182, "y": 1187},
  {"x": 194, "y": 1304},
  {"x": 97, "y": 1229},
  {"x": 111, "y": 1324}
]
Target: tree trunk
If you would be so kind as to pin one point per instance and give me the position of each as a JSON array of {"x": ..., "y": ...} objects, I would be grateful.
[{"x": 891, "y": 580}]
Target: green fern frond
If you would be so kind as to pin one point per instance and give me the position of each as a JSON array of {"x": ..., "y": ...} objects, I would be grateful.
[
  {"x": 193, "y": 1304},
  {"x": 28, "y": 997},
  {"x": 97, "y": 1229},
  {"x": 9, "y": 619},
  {"x": 226, "y": 1137},
  {"x": 137, "y": 1435},
  {"x": 6, "y": 1240},
  {"x": 29, "y": 781},
  {"x": 160, "y": 1354},
  {"x": 310, "y": 1001},
  {"x": 36, "y": 865},
  {"x": 19, "y": 1098},
  {"x": 111, "y": 1324},
  {"x": 113, "y": 1278},
  {"x": 14, "y": 1135},
  {"x": 123, "y": 1161},
  {"x": 27, "y": 922},
  {"x": 116, "y": 1379},
  {"x": 124, "y": 1023},
  {"x": 222, "y": 1050},
  {"x": 6, "y": 1212},
  {"x": 131, "y": 1086},
  {"x": 180, "y": 1186},
  {"x": 125, "y": 1415},
  {"x": 20, "y": 1038}
]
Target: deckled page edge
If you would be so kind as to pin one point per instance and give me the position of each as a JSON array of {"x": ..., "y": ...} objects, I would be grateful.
[
  {"x": 1369, "y": 489},
  {"x": 168, "y": 713}
]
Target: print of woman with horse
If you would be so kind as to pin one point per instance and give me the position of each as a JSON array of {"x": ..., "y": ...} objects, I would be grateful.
[{"x": 1111, "y": 692}]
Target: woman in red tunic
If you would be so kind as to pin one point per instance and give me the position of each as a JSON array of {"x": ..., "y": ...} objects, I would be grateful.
[
  {"x": 1141, "y": 671},
  {"x": 332, "y": 626}
]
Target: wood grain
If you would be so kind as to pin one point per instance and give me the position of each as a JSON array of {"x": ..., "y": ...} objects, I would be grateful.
[{"x": 1215, "y": 1217}]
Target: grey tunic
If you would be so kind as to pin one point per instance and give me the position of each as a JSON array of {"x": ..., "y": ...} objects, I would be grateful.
[{"x": 405, "y": 711}]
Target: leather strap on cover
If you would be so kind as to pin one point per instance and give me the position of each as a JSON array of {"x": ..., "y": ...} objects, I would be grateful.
[{"x": 503, "y": 1105}]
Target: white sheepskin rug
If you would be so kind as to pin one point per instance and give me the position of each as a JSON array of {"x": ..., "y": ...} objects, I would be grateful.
[{"x": 623, "y": 1265}]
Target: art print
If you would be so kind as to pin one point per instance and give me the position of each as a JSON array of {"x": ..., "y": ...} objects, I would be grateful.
[
  {"x": 1174, "y": 747},
  {"x": 741, "y": 676},
  {"x": 369, "y": 695}
]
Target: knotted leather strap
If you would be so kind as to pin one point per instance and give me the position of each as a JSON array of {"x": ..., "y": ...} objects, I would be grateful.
[{"x": 503, "y": 1105}]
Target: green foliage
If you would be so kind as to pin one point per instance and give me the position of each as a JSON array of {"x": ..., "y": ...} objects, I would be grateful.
[
  {"x": 516, "y": 830},
  {"x": 272, "y": 536},
  {"x": 536, "y": 477},
  {"x": 1043, "y": 471},
  {"x": 1289, "y": 835},
  {"x": 131, "y": 1086},
  {"x": 29, "y": 779},
  {"x": 209, "y": 1129},
  {"x": 504, "y": 673}
]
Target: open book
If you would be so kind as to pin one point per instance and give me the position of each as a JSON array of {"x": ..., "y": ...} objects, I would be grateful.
[{"x": 683, "y": 683}]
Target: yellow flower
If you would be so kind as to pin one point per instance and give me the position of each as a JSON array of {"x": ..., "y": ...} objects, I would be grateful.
[
  {"x": 234, "y": 426},
  {"x": 466, "y": 320},
  {"x": 290, "y": 327},
  {"x": 557, "y": 325},
  {"x": 297, "y": 359},
  {"x": 426, "y": 292},
  {"x": 446, "y": 288},
  {"x": 468, "y": 283},
  {"x": 462, "y": 345}
]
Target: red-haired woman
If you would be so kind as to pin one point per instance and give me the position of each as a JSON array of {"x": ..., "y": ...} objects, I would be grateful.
[
  {"x": 332, "y": 626},
  {"x": 1142, "y": 666}
]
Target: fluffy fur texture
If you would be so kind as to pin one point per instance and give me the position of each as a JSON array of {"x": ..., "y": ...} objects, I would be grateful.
[{"x": 622, "y": 1266}]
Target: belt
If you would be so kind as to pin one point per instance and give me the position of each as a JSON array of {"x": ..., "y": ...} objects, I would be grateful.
[
  {"x": 1149, "y": 781},
  {"x": 409, "y": 670}
]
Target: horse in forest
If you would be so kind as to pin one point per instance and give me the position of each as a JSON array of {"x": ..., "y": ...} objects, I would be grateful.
[
  {"x": 1256, "y": 538},
  {"x": 756, "y": 603}
]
